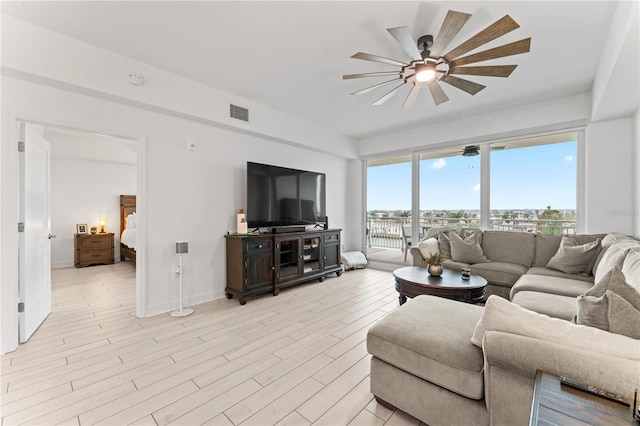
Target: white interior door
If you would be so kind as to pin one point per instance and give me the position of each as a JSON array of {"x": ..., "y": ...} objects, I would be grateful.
[{"x": 35, "y": 248}]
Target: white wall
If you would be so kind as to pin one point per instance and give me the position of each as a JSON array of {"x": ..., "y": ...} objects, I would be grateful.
[
  {"x": 609, "y": 177},
  {"x": 81, "y": 192},
  {"x": 188, "y": 195},
  {"x": 473, "y": 128},
  {"x": 636, "y": 171}
]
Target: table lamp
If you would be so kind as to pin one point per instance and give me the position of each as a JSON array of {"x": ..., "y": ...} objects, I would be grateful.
[{"x": 102, "y": 223}]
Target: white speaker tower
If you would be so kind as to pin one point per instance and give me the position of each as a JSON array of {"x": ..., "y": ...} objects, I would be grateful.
[{"x": 182, "y": 247}]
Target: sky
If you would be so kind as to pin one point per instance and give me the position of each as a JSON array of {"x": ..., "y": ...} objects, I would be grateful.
[{"x": 523, "y": 178}]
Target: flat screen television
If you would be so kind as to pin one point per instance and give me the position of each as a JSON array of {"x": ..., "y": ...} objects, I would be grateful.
[{"x": 278, "y": 196}]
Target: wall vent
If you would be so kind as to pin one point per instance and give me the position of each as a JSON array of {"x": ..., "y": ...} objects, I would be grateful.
[{"x": 239, "y": 113}]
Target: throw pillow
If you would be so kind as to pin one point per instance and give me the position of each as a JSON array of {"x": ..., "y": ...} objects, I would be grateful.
[
  {"x": 501, "y": 315},
  {"x": 467, "y": 250},
  {"x": 615, "y": 281},
  {"x": 611, "y": 305},
  {"x": 593, "y": 311},
  {"x": 572, "y": 258},
  {"x": 428, "y": 247},
  {"x": 623, "y": 317},
  {"x": 445, "y": 245}
]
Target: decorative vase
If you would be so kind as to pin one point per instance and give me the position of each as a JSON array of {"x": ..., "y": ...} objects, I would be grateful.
[
  {"x": 435, "y": 270},
  {"x": 93, "y": 230}
]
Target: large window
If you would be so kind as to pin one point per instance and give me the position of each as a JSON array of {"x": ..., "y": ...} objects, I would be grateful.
[
  {"x": 449, "y": 188},
  {"x": 530, "y": 186},
  {"x": 533, "y": 184}
]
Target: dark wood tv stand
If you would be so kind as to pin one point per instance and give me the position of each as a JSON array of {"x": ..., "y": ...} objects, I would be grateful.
[{"x": 266, "y": 263}]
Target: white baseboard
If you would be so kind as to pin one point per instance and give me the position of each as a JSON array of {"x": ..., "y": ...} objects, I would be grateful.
[{"x": 64, "y": 264}]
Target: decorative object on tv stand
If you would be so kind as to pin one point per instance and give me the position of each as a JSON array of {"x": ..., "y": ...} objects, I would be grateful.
[
  {"x": 241, "y": 224},
  {"x": 102, "y": 223},
  {"x": 434, "y": 265},
  {"x": 182, "y": 247},
  {"x": 430, "y": 65},
  {"x": 94, "y": 229}
]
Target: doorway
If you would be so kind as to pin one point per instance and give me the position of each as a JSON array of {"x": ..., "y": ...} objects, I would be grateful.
[{"x": 88, "y": 172}]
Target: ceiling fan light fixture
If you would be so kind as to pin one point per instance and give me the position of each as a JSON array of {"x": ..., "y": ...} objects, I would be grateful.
[
  {"x": 426, "y": 72},
  {"x": 471, "y": 150}
]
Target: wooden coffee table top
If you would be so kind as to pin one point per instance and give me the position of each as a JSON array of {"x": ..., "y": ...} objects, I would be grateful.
[
  {"x": 413, "y": 281},
  {"x": 417, "y": 275}
]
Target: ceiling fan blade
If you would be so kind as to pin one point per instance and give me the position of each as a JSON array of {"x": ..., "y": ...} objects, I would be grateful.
[
  {"x": 369, "y": 74},
  {"x": 499, "y": 28},
  {"x": 405, "y": 39},
  {"x": 453, "y": 22},
  {"x": 488, "y": 71},
  {"x": 368, "y": 89},
  {"x": 412, "y": 96},
  {"x": 375, "y": 58},
  {"x": 437, "y": 93},
  {"x": 515, "y": 48},
  {"x": 466, "y": 85},
  {"x": 388, "y": 96}
]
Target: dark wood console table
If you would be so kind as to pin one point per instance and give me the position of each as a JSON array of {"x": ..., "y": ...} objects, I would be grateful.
[
  {"x": 266, "y": 263},
  {"x": 558, "y": 404}
]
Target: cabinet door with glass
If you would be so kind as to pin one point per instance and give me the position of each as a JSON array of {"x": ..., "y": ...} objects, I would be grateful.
[
  {"x": 287, "y": 257},
  {"x": 311, "y": 254}
]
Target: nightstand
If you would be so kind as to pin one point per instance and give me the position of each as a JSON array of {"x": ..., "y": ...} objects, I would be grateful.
[{"x": 93, "y": 249}]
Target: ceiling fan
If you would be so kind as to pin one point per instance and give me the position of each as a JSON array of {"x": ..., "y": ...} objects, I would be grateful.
[{"x": 428, "y": 66}]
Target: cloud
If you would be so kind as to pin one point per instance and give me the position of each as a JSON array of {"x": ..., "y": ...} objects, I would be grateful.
[
  {"x": 476, "y": 187},
  {"x": 568, "y": 158},
  {"x": 438, "y": 164}
]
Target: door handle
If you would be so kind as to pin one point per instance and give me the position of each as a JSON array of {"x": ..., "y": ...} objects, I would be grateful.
[{"x": 51, "y": 236}]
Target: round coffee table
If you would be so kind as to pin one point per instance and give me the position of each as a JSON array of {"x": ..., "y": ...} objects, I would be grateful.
[{"x": 413, "y": 281}]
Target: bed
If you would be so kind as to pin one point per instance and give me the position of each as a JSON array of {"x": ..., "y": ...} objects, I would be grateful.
[{"x": 128, "y": 227}]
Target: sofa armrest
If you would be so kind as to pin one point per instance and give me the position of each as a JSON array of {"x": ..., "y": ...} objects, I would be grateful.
[
  {"x": 523, "y": 355},
  {"x": 418, "y": 259}
]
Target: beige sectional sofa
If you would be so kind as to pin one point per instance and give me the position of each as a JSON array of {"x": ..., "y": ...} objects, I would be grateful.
[{"x": 447, "y": 362}]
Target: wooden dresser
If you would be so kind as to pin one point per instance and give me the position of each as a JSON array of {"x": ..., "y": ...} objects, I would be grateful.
[{"x": 93, "y": 249}]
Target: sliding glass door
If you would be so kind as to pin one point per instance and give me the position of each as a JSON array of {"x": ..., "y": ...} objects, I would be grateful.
[
  {"x": 388, "y": 208},
  {"x": 529, "y": 185}
]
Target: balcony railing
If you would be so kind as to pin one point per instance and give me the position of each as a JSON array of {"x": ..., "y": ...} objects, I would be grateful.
[{"x": 387, "y": 232}]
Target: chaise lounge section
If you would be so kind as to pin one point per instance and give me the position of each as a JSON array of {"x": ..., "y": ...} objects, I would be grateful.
[{"x": 447, "y": 362}]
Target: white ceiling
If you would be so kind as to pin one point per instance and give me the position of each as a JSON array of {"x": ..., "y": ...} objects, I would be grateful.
[{"x": 291, "y": 55}]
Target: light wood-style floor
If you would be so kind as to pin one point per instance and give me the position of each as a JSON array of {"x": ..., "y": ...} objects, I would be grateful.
[{"x": 295, "y": 359}]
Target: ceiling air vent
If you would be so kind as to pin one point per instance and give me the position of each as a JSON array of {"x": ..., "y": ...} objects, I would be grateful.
[{"x": 239, "y": 113}]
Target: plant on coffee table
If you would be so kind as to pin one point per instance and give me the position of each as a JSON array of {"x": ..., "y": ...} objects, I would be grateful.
[{"x": 434, "y": 264}]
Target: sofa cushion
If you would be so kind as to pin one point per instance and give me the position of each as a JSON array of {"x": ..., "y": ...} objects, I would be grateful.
[
  {"x": 546, "y": 246},
  {"x": 501, "y": 315},
  {"x": 550, "y": 285},
  {"x": 467, "y": 250},
  {"x": 614, "y": 255},
  {"x": 430, "y": 337},
  {"x": 573, "y": 257},
  {"x": 631, "y": 268},
  {"x": 537, "y": 270},
  {"x": 499, "y": 272},
  {"x": 553, "y": 305},
  {"x": 454, "y": 266},
  {"x": 509, "y": 247}
]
